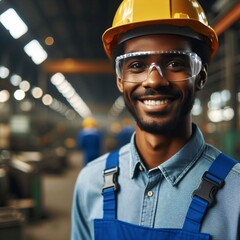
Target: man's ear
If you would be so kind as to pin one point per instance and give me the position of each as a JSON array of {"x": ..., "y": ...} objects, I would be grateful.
[
  {"x": 201, "y": 79},
  {"x": 120, "y": 84}
]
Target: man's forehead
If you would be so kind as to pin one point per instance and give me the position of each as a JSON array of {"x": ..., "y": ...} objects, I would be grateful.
[{"x": 157, "y": 42}]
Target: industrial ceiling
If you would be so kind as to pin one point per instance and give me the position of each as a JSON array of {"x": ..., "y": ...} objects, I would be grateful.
[{"x": 76, "y": 27}]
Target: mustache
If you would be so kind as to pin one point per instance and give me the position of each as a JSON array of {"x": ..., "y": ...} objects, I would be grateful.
[{"x": 152, "y": 92}]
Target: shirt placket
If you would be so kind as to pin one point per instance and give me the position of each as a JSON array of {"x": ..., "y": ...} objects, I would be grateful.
[{"x": 150, "y": 199}]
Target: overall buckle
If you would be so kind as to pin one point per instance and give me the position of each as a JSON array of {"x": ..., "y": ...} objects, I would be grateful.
[
  {"x": 208, "y": 188},
  {"x": 110, "y": 178}
]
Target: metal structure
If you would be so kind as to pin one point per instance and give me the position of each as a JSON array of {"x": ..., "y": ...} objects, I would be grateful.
[{"x": 76, "y": 27}]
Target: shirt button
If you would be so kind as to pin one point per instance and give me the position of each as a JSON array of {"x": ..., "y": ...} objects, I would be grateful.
[
  {"x": 140, "y": 167},
  {"x": 150, "y": 193}
]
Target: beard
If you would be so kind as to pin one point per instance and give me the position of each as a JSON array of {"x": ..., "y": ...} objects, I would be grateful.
[{"x": 156, "y": 125}]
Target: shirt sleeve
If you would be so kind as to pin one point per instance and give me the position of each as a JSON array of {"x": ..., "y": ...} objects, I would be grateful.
[{"x": 80, "y": 228}]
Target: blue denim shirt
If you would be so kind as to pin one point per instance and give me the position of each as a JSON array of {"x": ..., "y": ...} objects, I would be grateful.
[{"x": 159, "y": 197}]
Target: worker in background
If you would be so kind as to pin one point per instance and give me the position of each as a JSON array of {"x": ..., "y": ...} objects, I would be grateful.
[
  {"x": 168, "y": 183},
  {"x": 125, "y": 134},
  {"x": 89, "y": 140}
]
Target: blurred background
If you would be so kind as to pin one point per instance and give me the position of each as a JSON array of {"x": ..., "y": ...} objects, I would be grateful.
[{"x": 53, "y": 75}]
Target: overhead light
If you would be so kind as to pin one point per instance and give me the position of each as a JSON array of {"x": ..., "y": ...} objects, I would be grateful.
[
  {"x": 4, "y": 96},
  {"x": 19, "y": 94},
  {"x": 13, "y": 23},
  {"x": 70, "y": 114},
  {"x": 57, "y": 79},
  {"x": 35, "y": 51},
  {"x": 37, "y": 92},
  {"x": 219, "y": 115},
  {"x": 197, "y": 108},
  {"x": 15, "y": 79},
  {"x": 117, "y": 107},
  {"x": 4, "y": 72},
  {"x": 66, "y": 89},
  {"x": 24, "y": 85},
  {"x": 47, "y": 99}
]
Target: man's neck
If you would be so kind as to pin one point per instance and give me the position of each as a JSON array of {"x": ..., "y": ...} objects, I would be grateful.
[{"x": 155, "y": 149}]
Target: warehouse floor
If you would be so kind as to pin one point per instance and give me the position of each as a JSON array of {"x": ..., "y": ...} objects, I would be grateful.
[{"x": 57, "y": 200}]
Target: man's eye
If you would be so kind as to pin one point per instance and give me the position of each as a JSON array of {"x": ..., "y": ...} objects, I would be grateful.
[
  {"x": 137, "y": 66},
  {"x": 176, "y": 65}
]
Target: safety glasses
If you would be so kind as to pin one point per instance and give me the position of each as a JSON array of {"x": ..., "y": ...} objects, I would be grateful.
[{"x": 173, "y": 66}]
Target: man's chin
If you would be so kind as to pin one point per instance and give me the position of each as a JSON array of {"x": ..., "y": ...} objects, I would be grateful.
[{"x": 155, "y": 127}]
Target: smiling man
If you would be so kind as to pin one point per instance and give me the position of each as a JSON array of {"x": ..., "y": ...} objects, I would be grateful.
[{"x": 167, "y": 183}]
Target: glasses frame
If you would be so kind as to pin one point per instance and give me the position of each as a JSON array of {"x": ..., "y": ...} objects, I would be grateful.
[{"x": 192, "y": 55}]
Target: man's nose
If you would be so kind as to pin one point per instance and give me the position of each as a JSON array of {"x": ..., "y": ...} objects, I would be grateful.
[{"x": 155, "y": 77}]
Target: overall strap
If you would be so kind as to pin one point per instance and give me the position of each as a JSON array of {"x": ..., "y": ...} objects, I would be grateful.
[
  {"x": 110, "y": 185},
  {"x": 204, "y": 196}
]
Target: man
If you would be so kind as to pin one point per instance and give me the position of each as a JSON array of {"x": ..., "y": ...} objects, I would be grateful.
[
  {"x": 125, "y": 134},
  {"x": 89, "y": 140},
  {"x": 167, "y": 183}
]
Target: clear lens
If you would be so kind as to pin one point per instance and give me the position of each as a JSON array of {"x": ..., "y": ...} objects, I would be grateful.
[{"x": 171, "y": 65}]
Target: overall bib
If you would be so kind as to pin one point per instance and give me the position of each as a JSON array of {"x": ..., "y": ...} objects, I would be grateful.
[{"x": 109, "y": 228}]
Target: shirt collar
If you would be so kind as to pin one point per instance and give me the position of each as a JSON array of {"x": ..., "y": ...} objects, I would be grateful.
[{"x": 175, "y": 168}]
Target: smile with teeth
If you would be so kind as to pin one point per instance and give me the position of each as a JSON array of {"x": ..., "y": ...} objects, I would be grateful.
[{"x": 155, "y": 102}]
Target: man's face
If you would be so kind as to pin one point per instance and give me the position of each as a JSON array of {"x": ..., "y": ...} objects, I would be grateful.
[{"x": 158, "y": 105}]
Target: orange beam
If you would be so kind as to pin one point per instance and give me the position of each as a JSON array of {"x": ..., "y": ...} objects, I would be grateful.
[
  {"x": 75, "y": 66},
  {"x": 227, "y": 20}
]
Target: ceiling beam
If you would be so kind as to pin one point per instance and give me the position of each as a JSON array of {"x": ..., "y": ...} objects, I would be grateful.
[
  {"x": 75, "y": 66},
  {"x": 227, "y": 20}
]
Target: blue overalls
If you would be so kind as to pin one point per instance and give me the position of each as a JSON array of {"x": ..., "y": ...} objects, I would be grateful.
[{"x": 109, "y": 228}]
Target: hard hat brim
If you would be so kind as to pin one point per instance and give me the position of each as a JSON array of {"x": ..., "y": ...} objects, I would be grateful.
[{"x": 113, "y": 36}]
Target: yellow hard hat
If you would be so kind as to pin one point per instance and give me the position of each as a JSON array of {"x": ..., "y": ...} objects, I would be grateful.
[
  {"x": 181, "y": 17},
  {"x": 89, "y": 122}
]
